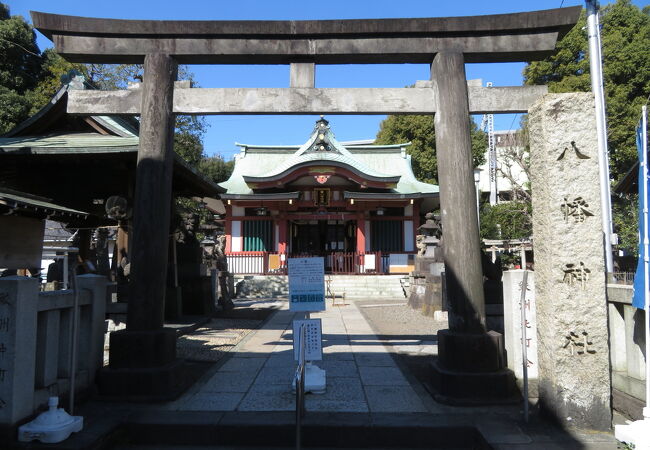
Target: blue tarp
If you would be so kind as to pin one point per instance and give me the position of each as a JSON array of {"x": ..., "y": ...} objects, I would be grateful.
[{"x": 639, "y": 279}]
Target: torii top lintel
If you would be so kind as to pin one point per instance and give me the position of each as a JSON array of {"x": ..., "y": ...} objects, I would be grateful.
[{"x": 490, "y": 38}]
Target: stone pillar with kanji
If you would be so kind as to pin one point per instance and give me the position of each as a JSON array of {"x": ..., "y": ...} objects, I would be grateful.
[{"x": 570, "y": 285}]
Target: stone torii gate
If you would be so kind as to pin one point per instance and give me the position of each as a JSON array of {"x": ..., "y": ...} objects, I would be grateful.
[{"x": 142, "y": 357}]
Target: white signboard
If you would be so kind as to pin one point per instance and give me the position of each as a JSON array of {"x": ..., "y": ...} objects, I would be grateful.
[
  {"x": 313, "y": 339},
  {"x": 512, "y": 285},
  {"x": 306, "y": 284}
]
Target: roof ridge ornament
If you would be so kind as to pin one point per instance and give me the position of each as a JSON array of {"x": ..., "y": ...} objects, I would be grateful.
[{"x": 323, "y": 135}]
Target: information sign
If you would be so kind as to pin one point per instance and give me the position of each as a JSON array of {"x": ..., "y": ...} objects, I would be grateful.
[
  {"x": 306, "y": 284},
  {"x": 313, "y": 339}
]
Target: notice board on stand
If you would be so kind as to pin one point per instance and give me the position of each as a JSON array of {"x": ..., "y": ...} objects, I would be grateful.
[
  {"x": 313, "y": 339},
  {"x": 306, "y": 284}
]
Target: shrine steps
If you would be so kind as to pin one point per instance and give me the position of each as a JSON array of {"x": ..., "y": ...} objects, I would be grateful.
[
  {"x": 351, "y": 286},
  {"x": 257, "y": 430}
]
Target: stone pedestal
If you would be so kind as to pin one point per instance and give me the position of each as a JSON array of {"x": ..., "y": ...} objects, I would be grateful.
[
  {"x": 570, "y": 290},
  {"x": 426, "y": 285},
  {"x": 425, "y": 293},
  {"x": 470, "y": 369},
  {"x": 143, "y": 366}
]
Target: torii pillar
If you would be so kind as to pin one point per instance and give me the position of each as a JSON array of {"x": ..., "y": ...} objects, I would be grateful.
[
  {"x": 471, "y": 361},
  {"x": 143, "y": 360}
]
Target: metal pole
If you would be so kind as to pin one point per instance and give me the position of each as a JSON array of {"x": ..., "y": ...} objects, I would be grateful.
[
  {"x": 524, "y": 352},
  {"x": 73, "y": 337},
  {"x": 175, "y": 261},
  {"x": 300, "y": 386},
  {"x": 595, "y": 63},
  {"x": 66, "y": 254},
  {"x": 646, "y": 259}
]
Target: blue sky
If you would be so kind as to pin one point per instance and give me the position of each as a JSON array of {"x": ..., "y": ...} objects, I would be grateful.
[{"x": 224, "y": 131}]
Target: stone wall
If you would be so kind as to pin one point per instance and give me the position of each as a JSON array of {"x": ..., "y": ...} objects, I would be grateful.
[
  {"x": 627, "y": 348},
  {"x": 35, "y": 341},
  {"x": 574, "y": 380}
]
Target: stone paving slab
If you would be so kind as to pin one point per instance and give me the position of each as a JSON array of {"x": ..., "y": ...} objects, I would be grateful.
[
  {"x": 211, "y": 401},
  {"x": 393, "y": 399},
  {"x": 382, "y": 376},
  {"x": 239, "y": 381},
  {"x": 271, "y": 397},
  {"x": 242, "y": 364},
  {"x": 361, "y": 375},
  {"x": 374, "y": 360},
  {"x": 275, "y": 375},
  {"x": 338, "y": 368}
]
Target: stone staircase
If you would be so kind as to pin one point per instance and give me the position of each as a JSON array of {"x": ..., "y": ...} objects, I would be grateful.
[{"x": 352, "y": 286}]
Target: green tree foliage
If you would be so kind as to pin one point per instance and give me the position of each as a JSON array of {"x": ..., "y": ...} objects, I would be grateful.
[
  {"x": 509, "y": 220},
  {"x": 54, "y": 68},
  {"x": 108, "y": 77},
  {"x": 419, "y": 131},
  {"x": 216, "y": 168},
  {"x": 626, "y": 52},
  {"x": 625, "y": 214},
  {"x": 625, "y": 36},
  {"x": 20, "y": 63}
]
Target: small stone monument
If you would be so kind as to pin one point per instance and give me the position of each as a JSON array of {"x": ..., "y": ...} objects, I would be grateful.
[
  {"x": 195, "y": 286},
  {"x": 425, "y": 281},
  {"x": 225, "y": 291}
]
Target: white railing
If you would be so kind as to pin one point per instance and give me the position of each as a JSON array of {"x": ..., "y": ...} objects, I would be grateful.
[
  {"x": 247, "y": 262},
  {"x": 342, "y": 263}
]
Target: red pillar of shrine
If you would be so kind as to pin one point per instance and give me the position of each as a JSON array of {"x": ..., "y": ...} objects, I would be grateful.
[
  {"x": 228, "y": 233},
  {"x": 282, "y": 235},
  {"x": 361, "y": 234}
]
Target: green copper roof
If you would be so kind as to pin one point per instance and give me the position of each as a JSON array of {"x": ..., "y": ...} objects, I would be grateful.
[
  {"x": 322, "y": 146},
  {"x": 388, "y": 163}
]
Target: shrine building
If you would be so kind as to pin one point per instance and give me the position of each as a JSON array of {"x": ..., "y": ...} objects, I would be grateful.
[{"x": 359, "y": 206}]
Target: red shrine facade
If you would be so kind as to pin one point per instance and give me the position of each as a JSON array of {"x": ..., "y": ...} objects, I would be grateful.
[{"x": 359, "y": 206}]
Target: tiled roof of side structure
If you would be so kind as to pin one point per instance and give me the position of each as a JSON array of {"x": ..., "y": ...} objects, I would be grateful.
[
  {"x": 69, "y": 141},
  {"x": 21, "y": 200}
]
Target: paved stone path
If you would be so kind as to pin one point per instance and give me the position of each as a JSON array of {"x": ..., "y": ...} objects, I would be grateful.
[{"x": 361, "y": 375}]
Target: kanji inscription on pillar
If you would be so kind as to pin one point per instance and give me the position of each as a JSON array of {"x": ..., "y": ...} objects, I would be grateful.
[
  {"x": 576, "y": 209},
  {"x": 579, "y": 343},
  {"x": 576, "y": 275},
  {"x": 572, "y": 151}
]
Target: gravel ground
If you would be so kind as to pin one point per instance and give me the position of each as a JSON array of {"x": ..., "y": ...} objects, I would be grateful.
[
  {"x": 397, "y": 319},
  {"x": 212, "y": 341},
  {"x": 409, "y": 335}
]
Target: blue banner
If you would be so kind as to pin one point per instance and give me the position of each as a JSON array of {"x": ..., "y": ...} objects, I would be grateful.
[{"x": 639, "y": 278}]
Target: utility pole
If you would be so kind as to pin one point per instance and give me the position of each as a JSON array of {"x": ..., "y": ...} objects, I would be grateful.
[
  {"x": 597, "y": 87},
  {"x": 488, "y": 124}
]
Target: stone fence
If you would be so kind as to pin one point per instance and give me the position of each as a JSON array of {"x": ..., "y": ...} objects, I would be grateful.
[
  {"x": 627, "y": 348},
  {"x": 626, "y": 341},
  {"x": 36, "y": 343}
]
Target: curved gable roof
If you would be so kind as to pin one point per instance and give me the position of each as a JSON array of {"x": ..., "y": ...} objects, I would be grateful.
[{"x": 322, "y": 148}]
